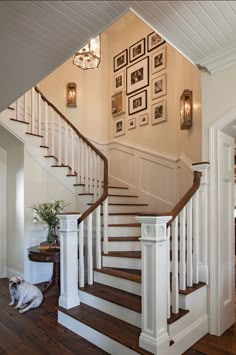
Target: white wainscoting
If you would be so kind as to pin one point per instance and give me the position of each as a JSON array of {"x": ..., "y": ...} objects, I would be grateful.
[{"x": 184, "y": 175}]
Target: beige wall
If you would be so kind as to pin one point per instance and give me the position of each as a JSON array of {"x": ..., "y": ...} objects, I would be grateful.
[
  {"x": 15, "y": 200},
  {"x": 95, "y": 88},
  {"x": 218, "y": 98}
]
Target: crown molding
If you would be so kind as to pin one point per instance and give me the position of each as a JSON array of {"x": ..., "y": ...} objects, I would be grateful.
[{"x": 219, "y": 61}]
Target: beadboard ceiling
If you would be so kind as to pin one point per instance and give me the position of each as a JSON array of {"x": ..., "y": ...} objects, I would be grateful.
[{"x": 38, "y": 36}]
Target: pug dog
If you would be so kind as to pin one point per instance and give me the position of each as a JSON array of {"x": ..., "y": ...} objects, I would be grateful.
[{"x": 25, "y": 294}]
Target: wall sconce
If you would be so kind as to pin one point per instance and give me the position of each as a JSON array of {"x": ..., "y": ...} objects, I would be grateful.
[
  {"x": 186, "y": 107},
  {"x": 71, "y": 95}
]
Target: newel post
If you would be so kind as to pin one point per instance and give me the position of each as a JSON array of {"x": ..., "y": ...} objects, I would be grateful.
[
  {"x": 203, "y": 220},
  {"x": 69, "y": 260},
  {"x": 155, "y": 282}
]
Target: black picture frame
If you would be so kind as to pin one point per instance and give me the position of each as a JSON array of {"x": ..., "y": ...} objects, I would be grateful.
[
  {"x": 120, "y": 60},
  {"x": 137, "y": 50},
  {"x": 137, "y": 102},
  {"x": 137, "y": 76},
  {"x": 154, "y": 40}
]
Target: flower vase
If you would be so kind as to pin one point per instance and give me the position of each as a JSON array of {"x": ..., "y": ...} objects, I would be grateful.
[{"x": 51, "y": 237}]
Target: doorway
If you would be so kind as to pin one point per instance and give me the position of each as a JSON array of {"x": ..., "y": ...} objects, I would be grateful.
[{"x": 3, "y": 213}]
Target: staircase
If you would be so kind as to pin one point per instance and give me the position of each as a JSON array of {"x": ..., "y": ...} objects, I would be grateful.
[{"x": 114, "y": 296}]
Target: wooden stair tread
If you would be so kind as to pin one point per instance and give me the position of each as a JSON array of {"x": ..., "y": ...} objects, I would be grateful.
[
  {"x": 75, "y": 174},
  {"x": 176, "y": 316},
  {"x": 116, "y": 329},
  {"x": 50, "y": 156},
  {"x": 34, "y": 134},
  {"x": 112, "y": 195},
  {"x": 114, "y": 295},
  {"x": 86, "y": 194},
  {"x": 78, "y": 184},
  {"x": 20, "y": 121},
  {"x": 117, "y": 187},
  {"x": 125, "y": 225},
  {"x": 11, "y": 108},
  {"x": 127, "y": 204},
  {"x": 122, "y": 214},
  {"x": 124, "y": 254},
  {"x": 44, "y": 146},
  {"x": 127, "y": 275},
  {"x": 123, "y": 239},
  {"x": 192, "y": 289}
]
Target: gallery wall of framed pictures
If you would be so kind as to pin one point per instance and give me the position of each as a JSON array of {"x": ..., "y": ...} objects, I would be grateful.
[{"x": 140, "y": 84}]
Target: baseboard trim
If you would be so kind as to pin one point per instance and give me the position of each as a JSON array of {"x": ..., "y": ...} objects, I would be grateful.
[{"x": 11, "y": 273}]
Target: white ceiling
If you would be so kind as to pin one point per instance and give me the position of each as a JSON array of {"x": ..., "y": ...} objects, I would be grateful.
[{"x": 38, "y": 36}]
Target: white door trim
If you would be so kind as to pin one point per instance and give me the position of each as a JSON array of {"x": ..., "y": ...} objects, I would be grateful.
[
  {"x": 3, "y": 213},
  {"x": 214, "y": 243}
]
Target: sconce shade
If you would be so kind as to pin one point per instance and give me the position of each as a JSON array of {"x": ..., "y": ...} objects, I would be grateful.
[
  {"x": 71, "y": 95},
  {"x": 186, "y": 107},
  {"x": 89, "y": 57}
]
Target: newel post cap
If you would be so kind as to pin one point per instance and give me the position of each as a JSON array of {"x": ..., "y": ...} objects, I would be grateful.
[
  {"x": 68, "y": 221},
  {"x": 153, "y": 228}
]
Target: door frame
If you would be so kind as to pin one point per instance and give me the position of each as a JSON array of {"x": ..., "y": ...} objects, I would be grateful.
[
  {"x": 214, "y": 216},
  {"x": 3, "y": 213}
]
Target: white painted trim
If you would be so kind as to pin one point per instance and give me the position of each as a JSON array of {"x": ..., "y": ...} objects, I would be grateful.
[
  {"x": 220, "y": 61},
  {"x": 102, "y": 341},
  {"x": 214, "y": 248}
]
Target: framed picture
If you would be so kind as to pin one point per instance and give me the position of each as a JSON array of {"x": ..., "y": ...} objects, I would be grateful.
[
  {"x": 159, "y": 86},
  {"x": 154, "y": 41},
  {"x": 138, "y": 102},
  {"x": 119, "y": 127},
  {"x": 119, "y": 81},
  {"x": 159, "y": 112},
  {"x": 132, "y": 123},
  {"x": 137, "y": 76},
  {"x": 118, "y": 103},
  {"x": 143, "y": 119},
  {"x": 158, "y": 60},
  {"x": 137, "y": 50},
  {"x": 120, "y": 60}
]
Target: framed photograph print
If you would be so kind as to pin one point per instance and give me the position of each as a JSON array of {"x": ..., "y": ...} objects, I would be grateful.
[
  {"x": 159, "y": 112},
  {"x": 159, "y": 86},
  {"x": 137, "y": 50},
  {"x": 154, "y": 41},
  {"x": 137, "y": 76},
  {"x": 132, "y": 123},
  {"x": 158, "y": 60},
  {"x": 119, "y": 81},
  {"x": 143, "y": 119},
  {"x": 118, "y": 104},
  {"x": 120, "y": 60},
  {"x": 119, "y": 127},
  {"x": 138, "y": 102}
]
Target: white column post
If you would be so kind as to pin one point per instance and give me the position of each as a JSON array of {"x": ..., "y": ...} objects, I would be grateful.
[
  {"x": 155, "y": 282},
  {"x": 203, "y": 221},
  {"x": 69, "y": 260}
]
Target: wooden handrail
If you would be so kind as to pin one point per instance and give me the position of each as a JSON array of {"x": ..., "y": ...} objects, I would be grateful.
[
  {"x": 182, "y": 202},
  {"x": 105, "y": 179}
]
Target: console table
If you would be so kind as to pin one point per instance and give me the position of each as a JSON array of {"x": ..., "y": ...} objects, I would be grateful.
[{"x": 51, "y": 255}]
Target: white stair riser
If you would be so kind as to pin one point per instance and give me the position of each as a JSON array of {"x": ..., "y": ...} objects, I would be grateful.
[
  {"x": 93, "y": 336},
  {"x": 122, "y": 263},
  {"x": 124, "y": 231},
  {"x": 125, "y": 208},
  {"x": 124, "y": 246},
  {"x": 118, "y": 219},
  {"x": 118, "y": 282},
  {"x": 113, "y": 309},
  {"x": 123, "y": 199},
  {"x": 86, "y": 199},
  {"x": 113, "y": 191}
]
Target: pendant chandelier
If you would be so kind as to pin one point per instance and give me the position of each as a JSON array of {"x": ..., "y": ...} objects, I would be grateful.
[{"x": 89, "y": 56}]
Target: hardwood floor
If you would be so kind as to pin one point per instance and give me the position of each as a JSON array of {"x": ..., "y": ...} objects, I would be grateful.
[{"x": 37, "y": 331}]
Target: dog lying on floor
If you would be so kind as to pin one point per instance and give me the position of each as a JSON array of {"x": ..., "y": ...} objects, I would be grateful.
[{"x": 26, "y": 295}]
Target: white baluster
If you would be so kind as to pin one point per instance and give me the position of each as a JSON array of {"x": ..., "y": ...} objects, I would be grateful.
[
  {"x": 98, "y": 238},
  {"x": 100, "y": 171},
  {"x": 168, "y": 273},
  {"x": 90, "y": 249},
  {"x": 17, "y": 109},
  {"x": 91, "y": 175},
  {"x": 78, "y": 161},
  {"x": 32, "y": 111},
  {"x": 190, "y": 243},
  {"x": 66, "y": 144},
  {"x": 86, "y": 168},
  {"x": 46, "y": 124},
  {"x": 95, "y": 176},
  {"x": 52, "y": 133},
  {"x": 39, "y": 115},
  {"x": 196, "y": 238},
  {"x": 105, "y": 227},
  {"x": 25, "y": 107},
  {"x": 182, "y": 270},
  {"x": 59, "y": 141},
  {"x": 82, "y": 176},
  {"x": 81, "y": 254},
  {"x": 175, "y": 278},
  {"x": 72, "y": 152}
]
